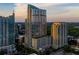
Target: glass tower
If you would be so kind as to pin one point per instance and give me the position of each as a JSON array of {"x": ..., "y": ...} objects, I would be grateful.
[
  {"x": 35, "y": 24},
  {"x": 7, "y": 34}
]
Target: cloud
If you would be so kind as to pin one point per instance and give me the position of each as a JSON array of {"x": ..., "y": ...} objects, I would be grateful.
[
  {"x": 42, "y": 5},
  {"x": 45, "y": 5},
  {"x": 61, "y": 12},
  {"x": 20, "y": 11},
  {"x": 5, "y": 13},
  {"x": 6, "y": 9},
  {"x": 55, "y": 11}
]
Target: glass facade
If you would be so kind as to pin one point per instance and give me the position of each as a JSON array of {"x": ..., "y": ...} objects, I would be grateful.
[
  {"x": 38, "y": 21},
  {"x": 7, "y": 34},
  {"x": 1, "y": 30},
  {"x": 35, "y": 24},
  {"x": 11, "y": 33}
]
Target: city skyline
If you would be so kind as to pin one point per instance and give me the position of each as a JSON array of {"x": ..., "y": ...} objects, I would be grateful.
[
  {"x": 48, "y": 29},
  {"x": 60, "y": 12}
]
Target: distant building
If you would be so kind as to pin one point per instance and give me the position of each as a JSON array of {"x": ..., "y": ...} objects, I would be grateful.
[
  {"x": 59, "y": 34},
  {"x": 16, "y": 31},
  {"x": 20, "y": 40},
  {"x": 20, "y": 28},
  {"x": 7, "y": 34}
]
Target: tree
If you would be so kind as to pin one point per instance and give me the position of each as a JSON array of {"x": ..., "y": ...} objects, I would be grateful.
[
  {"x": 2, "y": 52},
  {"x": 72, "y": 31},
  {"x": 72, "y": 42},
  {"x": 67, "y": 48},
  {"x": 48, "y": 50}
]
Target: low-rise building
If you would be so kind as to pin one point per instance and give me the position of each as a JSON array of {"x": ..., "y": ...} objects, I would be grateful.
[
  {"x": 20, "y": 40},
  {"x": 41, "y": 43}
]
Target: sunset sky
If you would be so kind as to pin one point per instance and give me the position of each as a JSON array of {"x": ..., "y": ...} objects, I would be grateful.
[{"x": 55, "y": 11}]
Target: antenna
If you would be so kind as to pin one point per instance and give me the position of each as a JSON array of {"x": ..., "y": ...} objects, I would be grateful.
[{"x": 13, "y": 12}]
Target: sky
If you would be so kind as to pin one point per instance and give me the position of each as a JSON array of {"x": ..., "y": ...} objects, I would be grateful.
[{"x": 60, "y": 12}]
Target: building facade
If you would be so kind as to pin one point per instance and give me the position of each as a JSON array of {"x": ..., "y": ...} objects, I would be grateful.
[
  {"x": 36, "y": 27},
  {"x": 59, "y": 34},
  {"x": 7, "y": 34},
  {"x": 39, "y": 22},
  {"x": 28, "y": 31},
  {"x": 41, "y": 43}
]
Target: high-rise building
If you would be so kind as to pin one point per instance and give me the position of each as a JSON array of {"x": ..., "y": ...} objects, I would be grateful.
[
  {"x": 59, "y": 34},
  {"x": 36, "y": 27},
  {"x": 39, "y": 22},
  {"x": 7, "y": 34},
  {"x": 28, "y": 32}
]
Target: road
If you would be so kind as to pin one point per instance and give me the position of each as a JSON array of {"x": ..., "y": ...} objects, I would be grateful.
[{"x": 58, "y": 52}]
